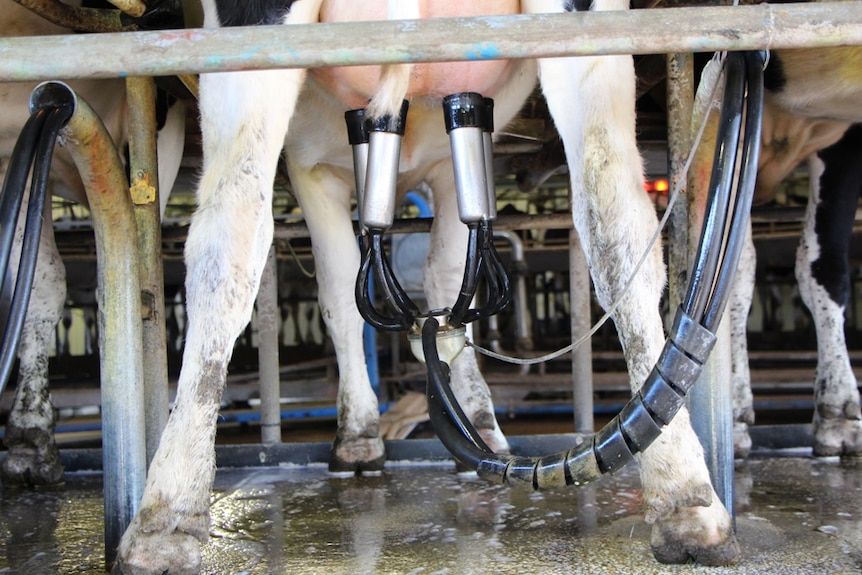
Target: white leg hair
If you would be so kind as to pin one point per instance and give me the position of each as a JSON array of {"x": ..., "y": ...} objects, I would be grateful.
[
  {"x": 325, "y": 202},
  {"x": 837, "y": 426}
]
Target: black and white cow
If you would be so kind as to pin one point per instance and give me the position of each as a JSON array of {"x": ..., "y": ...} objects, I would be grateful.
[
  {"x": 247, "y": 118},
  {"x": 32, "y": 457},
  {"x": 811, "y": 107}
]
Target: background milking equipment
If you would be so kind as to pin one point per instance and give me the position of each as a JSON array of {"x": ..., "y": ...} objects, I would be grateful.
[{"x": 438, "y": 336}]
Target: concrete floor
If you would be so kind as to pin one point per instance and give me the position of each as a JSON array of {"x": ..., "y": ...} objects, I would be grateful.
[{"x": 795, "y": 514}]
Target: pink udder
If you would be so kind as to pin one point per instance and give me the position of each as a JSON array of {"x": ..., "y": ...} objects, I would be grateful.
[{"x": 355, "y": 85}]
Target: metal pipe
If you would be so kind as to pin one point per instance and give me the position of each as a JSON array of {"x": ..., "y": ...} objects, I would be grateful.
[
  {"x": 267, "y": 351},
  {"x": 119, "y": 301},
  {"x": 519, "y": 262},
  {"x": 423, "y": 225},
  {"x": 144, "y": 190},
  {"x": 680, "y": 98},
  {"x": 582, "y": 356},
  {"x": 700, "y": 29},
  {"x": 711, "y": 405},
  {"x": 522, "y": 331}
]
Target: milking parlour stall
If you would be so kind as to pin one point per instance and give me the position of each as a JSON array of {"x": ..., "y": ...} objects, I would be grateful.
[{"x": 320, "y": 286}]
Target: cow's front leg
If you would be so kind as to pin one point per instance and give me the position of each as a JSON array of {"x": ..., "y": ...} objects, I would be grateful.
[
  {"x": 325, "y": 202},
  {"x": 823, "y": 275},
  {"x": 33, "y": 459},
  {"x": 243, "y": 129},
  {"x": 443, "y": 274},
  {"x": 592, "y": 101}
]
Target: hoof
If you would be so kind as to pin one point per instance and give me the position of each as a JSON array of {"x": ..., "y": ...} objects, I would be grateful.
[
  {"x": 154, "y": 548},
  {"x": 356, "y": 456},
  {"x": 699, "y": 534},
  {"x": 840, "y": 435},
  {"x": 156, "y": 554},
  {"x": 28, "y": 467}
]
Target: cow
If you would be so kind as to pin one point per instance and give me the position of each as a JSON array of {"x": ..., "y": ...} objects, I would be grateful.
[
  {"x": 811, "y": 115},
  {"x": 32, "y": 458},
  {"x": 248, "y": 118}
]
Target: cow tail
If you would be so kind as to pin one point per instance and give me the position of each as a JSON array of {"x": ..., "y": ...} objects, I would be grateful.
[
  {"x": 394, "y": 78},
  {"x": 391, "y": 90}
]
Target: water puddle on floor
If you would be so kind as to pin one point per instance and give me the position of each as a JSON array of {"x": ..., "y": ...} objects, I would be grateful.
[{"x": 794, "y": 515}]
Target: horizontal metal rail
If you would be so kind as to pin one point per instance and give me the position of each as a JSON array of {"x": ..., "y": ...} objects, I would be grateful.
[
  {"x": 82, "y": 235},
  {"x": 655, "y": 31},
  {"x": 407, "y": 451}
]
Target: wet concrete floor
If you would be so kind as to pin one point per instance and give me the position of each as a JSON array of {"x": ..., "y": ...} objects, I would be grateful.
[{"x": 795, "y": 514}]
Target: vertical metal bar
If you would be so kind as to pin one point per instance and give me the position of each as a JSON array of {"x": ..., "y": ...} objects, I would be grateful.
[
  {"x": 267, "y": 350},
  {"x": 144, "y": 192},
  {"x": 680, "y": 98},
  {"x": 119, "y": 302},
  {"x": 523, "y": 338},
  {"x": 711, "y": 405},
  {"x": 582, "y": 356}
]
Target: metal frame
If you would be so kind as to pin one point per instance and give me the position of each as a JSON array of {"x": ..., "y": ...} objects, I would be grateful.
[
  {"x": 655, "y": 31},
  {"x": 130, "y": 54}
]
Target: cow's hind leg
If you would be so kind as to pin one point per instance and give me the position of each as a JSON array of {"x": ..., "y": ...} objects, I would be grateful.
[
  {"x": 325, "y": 203},
  {"x": 823, "y": 275},
  {"x": 244, "y": 117},
  {"x": 592, "y": 101},
  {"x": 33, "y": 459}
]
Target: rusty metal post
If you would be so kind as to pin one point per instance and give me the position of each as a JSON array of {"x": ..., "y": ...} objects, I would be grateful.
[
  {"x": 267, "y": 349},
  {"x": 119, "y": 303},
  {"x": 144, "y": 192},
  {"x": 680, "y": 98}
]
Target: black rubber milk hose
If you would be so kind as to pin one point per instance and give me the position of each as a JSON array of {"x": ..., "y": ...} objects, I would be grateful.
[
  {"x": 34, "y": 148},
  {"x": 687, "y": 348}
]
